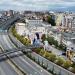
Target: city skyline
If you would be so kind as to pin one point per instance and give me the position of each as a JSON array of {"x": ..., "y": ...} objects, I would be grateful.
[{"x": 38, "y": 5}]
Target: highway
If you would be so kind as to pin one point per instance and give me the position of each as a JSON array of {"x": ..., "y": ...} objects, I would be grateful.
[
  {"x": 7, "y": 24},
  {"x": 21, "y": 61},
  {"x": 5, "y": 68}
]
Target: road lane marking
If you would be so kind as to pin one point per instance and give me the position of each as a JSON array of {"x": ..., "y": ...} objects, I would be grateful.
[
  {"x": 13, "y": 66},
  {"x": 28, "y": 64}
]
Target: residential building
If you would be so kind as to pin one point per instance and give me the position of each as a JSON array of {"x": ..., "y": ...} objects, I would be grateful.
[
  {"x": 20, "y": 28},
  {"x": 34, "y": 22},
  {"x": 68, "y": 22},
  {"x": 58, "y": 19},
  {"x": 73, "y": 24},
  {"x": 10, "y": 13}
]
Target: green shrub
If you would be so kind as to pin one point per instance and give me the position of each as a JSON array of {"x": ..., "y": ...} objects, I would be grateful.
[
  {"x": 73, "y": 70},
  {"x": 60, "y": 61},
  {"x": 23, "y": 40},
  {"x": 67, "y": 64},
  {"x": 42, "y": 52},
  {"x": 52, "y": 57},
  {"x": 47, "y": 54},
  {"x": 37, "y": 50}
]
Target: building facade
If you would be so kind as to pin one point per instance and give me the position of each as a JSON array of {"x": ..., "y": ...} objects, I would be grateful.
[
  {"x": 20, "y": 28},
  {"x": 34, "y": 22}
]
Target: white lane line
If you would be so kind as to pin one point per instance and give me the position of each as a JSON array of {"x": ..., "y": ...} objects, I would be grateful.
[
  {"x": 10, "y": 41},
  {"x": 21, "y": 58},
  {"x": 14, "y": 67},
  {"x": 6, "y": 41}
]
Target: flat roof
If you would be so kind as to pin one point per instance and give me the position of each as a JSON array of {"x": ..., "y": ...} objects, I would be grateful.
[{"x": 20, "y": 24}]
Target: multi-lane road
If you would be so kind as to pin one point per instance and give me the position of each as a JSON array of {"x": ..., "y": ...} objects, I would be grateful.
[{"x": 21, "y": 60}]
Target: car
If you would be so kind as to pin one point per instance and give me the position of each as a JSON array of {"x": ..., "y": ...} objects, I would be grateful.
[{"x": 64, "y": 53}]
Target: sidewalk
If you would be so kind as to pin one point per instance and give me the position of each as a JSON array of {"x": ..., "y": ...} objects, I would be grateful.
[{"x": 57, "y": 52}]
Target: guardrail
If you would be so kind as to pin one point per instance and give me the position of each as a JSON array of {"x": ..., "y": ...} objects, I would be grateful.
[{"x": 50, "y": 66}]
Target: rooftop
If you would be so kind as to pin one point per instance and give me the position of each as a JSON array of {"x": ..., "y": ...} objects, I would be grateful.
[{"x": 21, "y": 24}]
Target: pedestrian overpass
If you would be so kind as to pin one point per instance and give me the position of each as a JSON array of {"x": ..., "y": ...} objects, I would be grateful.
[{"x": 23, "y": 48}]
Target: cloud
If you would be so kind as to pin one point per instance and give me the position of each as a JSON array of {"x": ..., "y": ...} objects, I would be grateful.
[{"x": 36, "y": 4}]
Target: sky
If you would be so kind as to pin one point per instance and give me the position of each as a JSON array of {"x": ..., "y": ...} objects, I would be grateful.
[{"x": 38, "y": 5}]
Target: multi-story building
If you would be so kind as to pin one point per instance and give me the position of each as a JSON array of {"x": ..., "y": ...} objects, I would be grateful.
[
  {"x": 20, "y": 28},
  {"x": 58, "y": 19},
  {"x": 34, "y": 22},
  {"x": 68, "y": 22},
  {"x": 73, "y": 24},
  {"x": 10, "y": 13}
]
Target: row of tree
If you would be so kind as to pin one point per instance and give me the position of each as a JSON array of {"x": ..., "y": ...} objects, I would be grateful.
[
  {"x": 54, "y": 42},
  {"x": 58, "y": 60},
  {"x": 22, "y": 39}
]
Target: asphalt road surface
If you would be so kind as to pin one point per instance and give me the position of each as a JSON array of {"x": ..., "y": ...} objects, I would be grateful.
[{"x": 26, "y": 64}]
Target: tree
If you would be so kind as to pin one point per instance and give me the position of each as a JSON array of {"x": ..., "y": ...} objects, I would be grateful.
[
  {"x": 62, "y": 47},
  {"x": 43, "y": 37},
  {"x": 51, "y": 21},
  {"x": 60, "y": 61},
  {"x": 47, "y": 54},
  {"x": 52, "y": 57},
  {"x": 50, "y": 40},
  {"x": 23, "y": 40},
  {"x": 26, "y": 41},
  {"x": 38, "y": 50},
  {"x": 56, "y": 43},
  {"x": 67, "y": 64},
  {"x": 42, "y": 52}
]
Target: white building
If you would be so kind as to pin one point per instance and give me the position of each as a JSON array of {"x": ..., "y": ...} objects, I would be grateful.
[
  {"x": 36, "y": 29},
  {"x": 20, "y": 28},
  {"x": 59, "y": 19},
  {"x": 73, "y": 24},
  {"x": 68, "y": 22},
  {"x": 35, "y": 26},
  {"x": 33, "y": 22}
]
